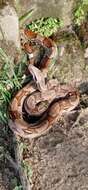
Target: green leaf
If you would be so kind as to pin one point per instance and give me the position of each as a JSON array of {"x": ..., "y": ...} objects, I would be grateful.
[{"x": 45, "y": 26}]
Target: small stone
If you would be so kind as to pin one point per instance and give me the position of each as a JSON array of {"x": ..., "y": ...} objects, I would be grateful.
[
  {"x": 9, "y": 25},
  {"x": 9, "y": 30}
]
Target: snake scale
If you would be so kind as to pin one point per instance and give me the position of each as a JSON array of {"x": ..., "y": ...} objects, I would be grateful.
[{"x": 40, "y": 103}]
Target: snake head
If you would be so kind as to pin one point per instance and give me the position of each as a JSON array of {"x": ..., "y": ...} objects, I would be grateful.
[{"x": 38, "y": 77}]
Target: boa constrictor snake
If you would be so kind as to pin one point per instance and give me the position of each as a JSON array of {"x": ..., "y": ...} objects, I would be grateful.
[{"x": 39, "y": 104}]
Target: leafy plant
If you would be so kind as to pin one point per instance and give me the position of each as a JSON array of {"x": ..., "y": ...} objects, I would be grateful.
[
  {"x": 81, "y": 12},
  {"x": 11, "y": 79},
  {"x": 45, "y": 26}
]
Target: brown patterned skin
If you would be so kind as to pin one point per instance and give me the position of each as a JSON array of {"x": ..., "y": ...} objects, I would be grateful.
[
  {"x": 49, "y": 45},
  {"x": 36, "y": 108}
]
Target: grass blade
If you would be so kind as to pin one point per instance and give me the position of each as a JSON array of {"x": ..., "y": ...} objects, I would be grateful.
[{"x": 25, "y": 17}]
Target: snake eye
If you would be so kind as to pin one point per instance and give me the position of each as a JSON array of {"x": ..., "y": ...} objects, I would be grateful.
[{"x": 70, "y": 94}]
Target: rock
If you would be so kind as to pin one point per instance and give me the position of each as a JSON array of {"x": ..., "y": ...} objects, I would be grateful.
[
  {"x": 70, "y": 67},
  {"x": 9, "y": 30},
  {"x": 58, "y": 160},
  {"x": 43, "y": 8}
]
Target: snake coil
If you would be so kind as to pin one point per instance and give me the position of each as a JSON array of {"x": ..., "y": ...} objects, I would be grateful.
[{"x": 38, "y": 105}]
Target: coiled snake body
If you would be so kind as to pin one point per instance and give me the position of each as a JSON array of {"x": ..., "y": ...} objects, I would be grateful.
[{"x": 38, "y": 105}]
